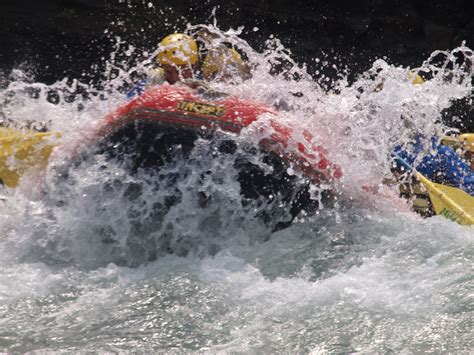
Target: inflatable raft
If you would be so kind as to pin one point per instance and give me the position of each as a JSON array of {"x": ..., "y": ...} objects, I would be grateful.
[
  {"x": 180, "y": 115},
  {"x": 274, "y": 169}
]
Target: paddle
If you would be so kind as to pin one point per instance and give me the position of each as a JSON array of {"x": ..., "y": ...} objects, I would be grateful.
[
  {"x": 21, "y": 150},
  {"x": 455, "y": 204}
]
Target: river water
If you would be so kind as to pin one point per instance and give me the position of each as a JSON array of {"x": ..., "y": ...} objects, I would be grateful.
[{"x": 364, "y": 275}]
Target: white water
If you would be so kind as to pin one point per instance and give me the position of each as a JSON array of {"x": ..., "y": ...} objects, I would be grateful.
[{"x": 367, "y": 276}]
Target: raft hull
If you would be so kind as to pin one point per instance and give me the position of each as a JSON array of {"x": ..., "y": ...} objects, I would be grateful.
[{"x": 166, "y": 132}]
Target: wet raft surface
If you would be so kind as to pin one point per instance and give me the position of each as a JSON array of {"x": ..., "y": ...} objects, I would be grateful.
[
  {"x": 168, "y": 171},
  {"x": 150, "y": 146}
]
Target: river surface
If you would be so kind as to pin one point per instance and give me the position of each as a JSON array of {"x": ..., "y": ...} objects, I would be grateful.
[{"x": 364, "y": 275}]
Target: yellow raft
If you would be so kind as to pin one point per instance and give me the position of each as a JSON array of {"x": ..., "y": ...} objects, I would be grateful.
[
  {"x": 450, "y": 202},
  {"x": 21, "y": 150}
]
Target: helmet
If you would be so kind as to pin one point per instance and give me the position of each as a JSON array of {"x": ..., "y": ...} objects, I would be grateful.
[
  {"x": 468, "y": 139},
  {"x": 415, "y": 78},
  {"x": 221, "y": 61},
  {"x": 178, "y": 49}
]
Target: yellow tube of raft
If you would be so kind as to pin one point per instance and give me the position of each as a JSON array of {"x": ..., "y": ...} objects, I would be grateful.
[
  {"x": 450, "y": 202},
  {"x": 21, "y": 150}
]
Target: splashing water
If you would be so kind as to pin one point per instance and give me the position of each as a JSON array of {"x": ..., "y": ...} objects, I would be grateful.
[{"x": 113, "y": 261}]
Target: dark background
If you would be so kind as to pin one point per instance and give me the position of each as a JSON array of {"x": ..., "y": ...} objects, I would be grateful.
[
  {"x": 65, "y": 37},
  {"x": 58, "y": 38}
]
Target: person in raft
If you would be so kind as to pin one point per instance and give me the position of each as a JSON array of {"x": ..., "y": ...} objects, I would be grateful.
[
  {"x": 442, "y": 163},
  {"x": 178, "y": 62}
]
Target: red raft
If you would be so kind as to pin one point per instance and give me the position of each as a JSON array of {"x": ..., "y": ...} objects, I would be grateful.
[
  {"x": 171, "y": 134},
  {"x": 184, "y": 114}
]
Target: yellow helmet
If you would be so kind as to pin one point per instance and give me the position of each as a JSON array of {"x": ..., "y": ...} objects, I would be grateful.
[
  {"x": 415, "y": 78},
  {"x": 468, "y": 140},
  {"x": 178, "y": 49},
  {"x": 222, "y": 60}
]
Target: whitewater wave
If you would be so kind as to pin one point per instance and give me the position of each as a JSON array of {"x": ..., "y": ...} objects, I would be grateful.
[{"x": 363, "y": 274}]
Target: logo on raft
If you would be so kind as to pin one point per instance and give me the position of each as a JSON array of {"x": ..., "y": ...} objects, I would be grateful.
[{"x": 201, "y": 108}]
